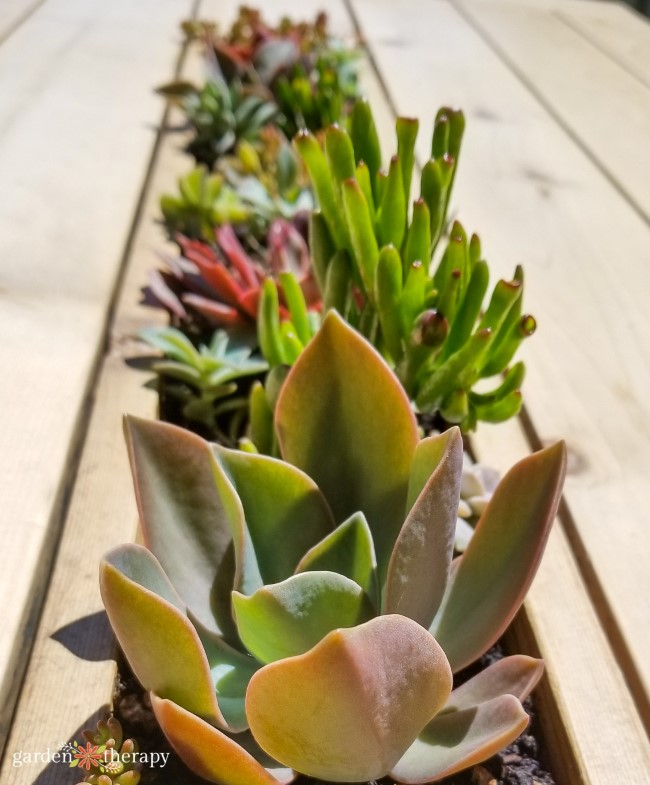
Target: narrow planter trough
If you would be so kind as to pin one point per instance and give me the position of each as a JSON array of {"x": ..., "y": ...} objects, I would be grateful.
[{"x": 586, "y": 727}]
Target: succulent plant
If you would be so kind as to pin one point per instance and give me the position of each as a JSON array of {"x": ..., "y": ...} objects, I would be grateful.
[
  {"x": 207, "y": 379},
  {"x": 304, "y": 615},
  {"x": 252, "y": 188},
  {"x": 373, "y": 263},
  {"x": 204, "y": 201},
  {"x": 117, "y": 765},
  {"x": 220, "y": 114},
  {"x": 223, "y": 283}
]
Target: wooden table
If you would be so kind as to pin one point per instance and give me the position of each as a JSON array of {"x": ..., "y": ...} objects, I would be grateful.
[{"x": 555, "y": 173}]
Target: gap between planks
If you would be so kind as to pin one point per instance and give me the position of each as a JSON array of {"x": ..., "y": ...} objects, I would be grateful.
[{"x": 69, "y": 677}]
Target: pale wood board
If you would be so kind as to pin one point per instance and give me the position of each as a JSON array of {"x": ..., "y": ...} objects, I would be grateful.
[
  {"x": 524, "y": 185},
  {"x": 616, "y": 29},
  {"x": 76, "y": 133},
  {"x": 598, "y": 101},
  {"x": 69, "y": 681}
]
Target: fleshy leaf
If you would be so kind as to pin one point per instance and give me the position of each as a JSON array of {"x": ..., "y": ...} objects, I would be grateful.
[
  {"x": 231, "y": 672},
  {"x": 210, "y": 753},
  {"x": 288, "y": 618},
  {"x": 160, "y": 643},
  {"x": 516, "y": 675},
  {"x": 348, "y": 550},
  {"x": 419, "y": 565},
  {"x": 494, "y": 574},
  {"x": 356, "y": 700},
  {"x": 182, "y": 517},
  {"x": 344, "y": 419},
  {"x": 458, "y": 739},
  {"x": 281, "y": 505}
]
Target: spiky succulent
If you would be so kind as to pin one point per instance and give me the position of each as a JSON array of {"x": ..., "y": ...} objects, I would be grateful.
[
  {"x": 304, "y": 616},
  {"x": 117, "y": 765},
  {"x": 220, "y": 114},
  {"x": 222, "y": 282},
  {"x": 374, "y": 264},
  {"x": 207, "y": 380}
]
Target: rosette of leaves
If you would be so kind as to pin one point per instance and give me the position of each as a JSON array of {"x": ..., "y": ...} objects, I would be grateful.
[
  {"x": 222, "y": 284},
  {"x": 220, "y": 114},
  {"x": 117, "y": 762},
  {"x": 206, "y": 380},
  {"x": 304, "y": 616},
  {"x": 250, "y": 189},
  {"x": 374, "y": 264}
]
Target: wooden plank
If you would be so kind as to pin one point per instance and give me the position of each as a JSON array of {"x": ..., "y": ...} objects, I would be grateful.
[
  {"x": 615, "y": 29},
  {"x": 537, "y": 198},
  {"x": 14, "y": 13},
  {"x": 600, "y": 103},
  {"x": 73, "y": 637},
  {"x": 75, "y": 133}
]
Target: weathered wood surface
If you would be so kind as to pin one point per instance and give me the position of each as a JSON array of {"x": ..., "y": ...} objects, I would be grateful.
[
  {"x": 537, "y": 198},
  {"x": 76, "y": 132}
]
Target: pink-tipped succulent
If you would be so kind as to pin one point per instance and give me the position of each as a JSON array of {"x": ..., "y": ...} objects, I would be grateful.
[
  {"x": 114, "y": 756},
  {"x": 223, "y": 283},
  {"x": 305, "y": 616}
]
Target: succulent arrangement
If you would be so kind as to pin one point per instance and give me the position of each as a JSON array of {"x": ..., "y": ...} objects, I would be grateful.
[
  {"x": 304, "y": 615},
  {"x": 302, "y": 604},
  {"x": 117, "y": 761},
  {"x": 206, "y": 380}
]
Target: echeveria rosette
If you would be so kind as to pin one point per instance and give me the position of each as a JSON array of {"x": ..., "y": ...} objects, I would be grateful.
[{"x": 283, "y": 614}]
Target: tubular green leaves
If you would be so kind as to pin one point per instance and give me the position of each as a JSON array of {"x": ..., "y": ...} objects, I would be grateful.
[
  {"x": 419, "y": 565},
  {"x": 343, "y": 418},
  {"x": 288, "y": 618},
  {"x": 362, "y": 233},
  {"x": 494, "y": 574},
  {"x": 357, "y": 700}
]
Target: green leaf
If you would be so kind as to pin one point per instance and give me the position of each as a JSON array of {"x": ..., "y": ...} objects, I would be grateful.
[
  {"x": 268, "y": 325},
  {"x": 365, "y": 141},
  {"x": 182, "y": 516},
  {"x": 494, "y": 573},
  {"x": 388, "y": 295},
  {"x": 348, "y": 551},
  {"x": 391, "y": 216},
  {"x": 516, "y": 675},
  {"x": 285, "y": 619},
  {"x": 149, "y": 621},
  {"x": 281, "y": 505},
  {"x": 295, "y": 300},
  {"x": 357, "y": 700},
  {"x": 210, "y": 753},
  {"x": 407, "y": 131},
  {"x": 341, "y": 399},
  {"x": 457, "y": 740},
  {"x": 419, "y": 565},
  {"x": 337, "y": 282},
  {"x": 321, "y": 246},
  {"x": 362, "y": 233}
]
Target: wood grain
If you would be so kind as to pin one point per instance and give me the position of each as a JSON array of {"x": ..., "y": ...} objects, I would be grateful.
[
  {"x": 529, "y": 186},
  {"x": 76, "y": 133}
]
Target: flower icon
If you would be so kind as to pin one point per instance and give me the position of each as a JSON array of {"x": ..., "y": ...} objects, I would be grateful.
[{"x": 87, "y": 756}]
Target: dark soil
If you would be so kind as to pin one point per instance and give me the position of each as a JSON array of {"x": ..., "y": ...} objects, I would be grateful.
[{"x": 522, "y": 763}]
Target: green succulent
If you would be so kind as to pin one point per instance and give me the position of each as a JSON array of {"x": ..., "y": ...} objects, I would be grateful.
[
  {"x": 220, "y": 114},
  {"x": 316, "y": 95},
  {"x": 117, "y": 765},
  {"x": 303, "y": 615},
  {"x": 374, "y": 265},
  {"x": 204, "y": 201},
  {"x": 206, "y": 380}
]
